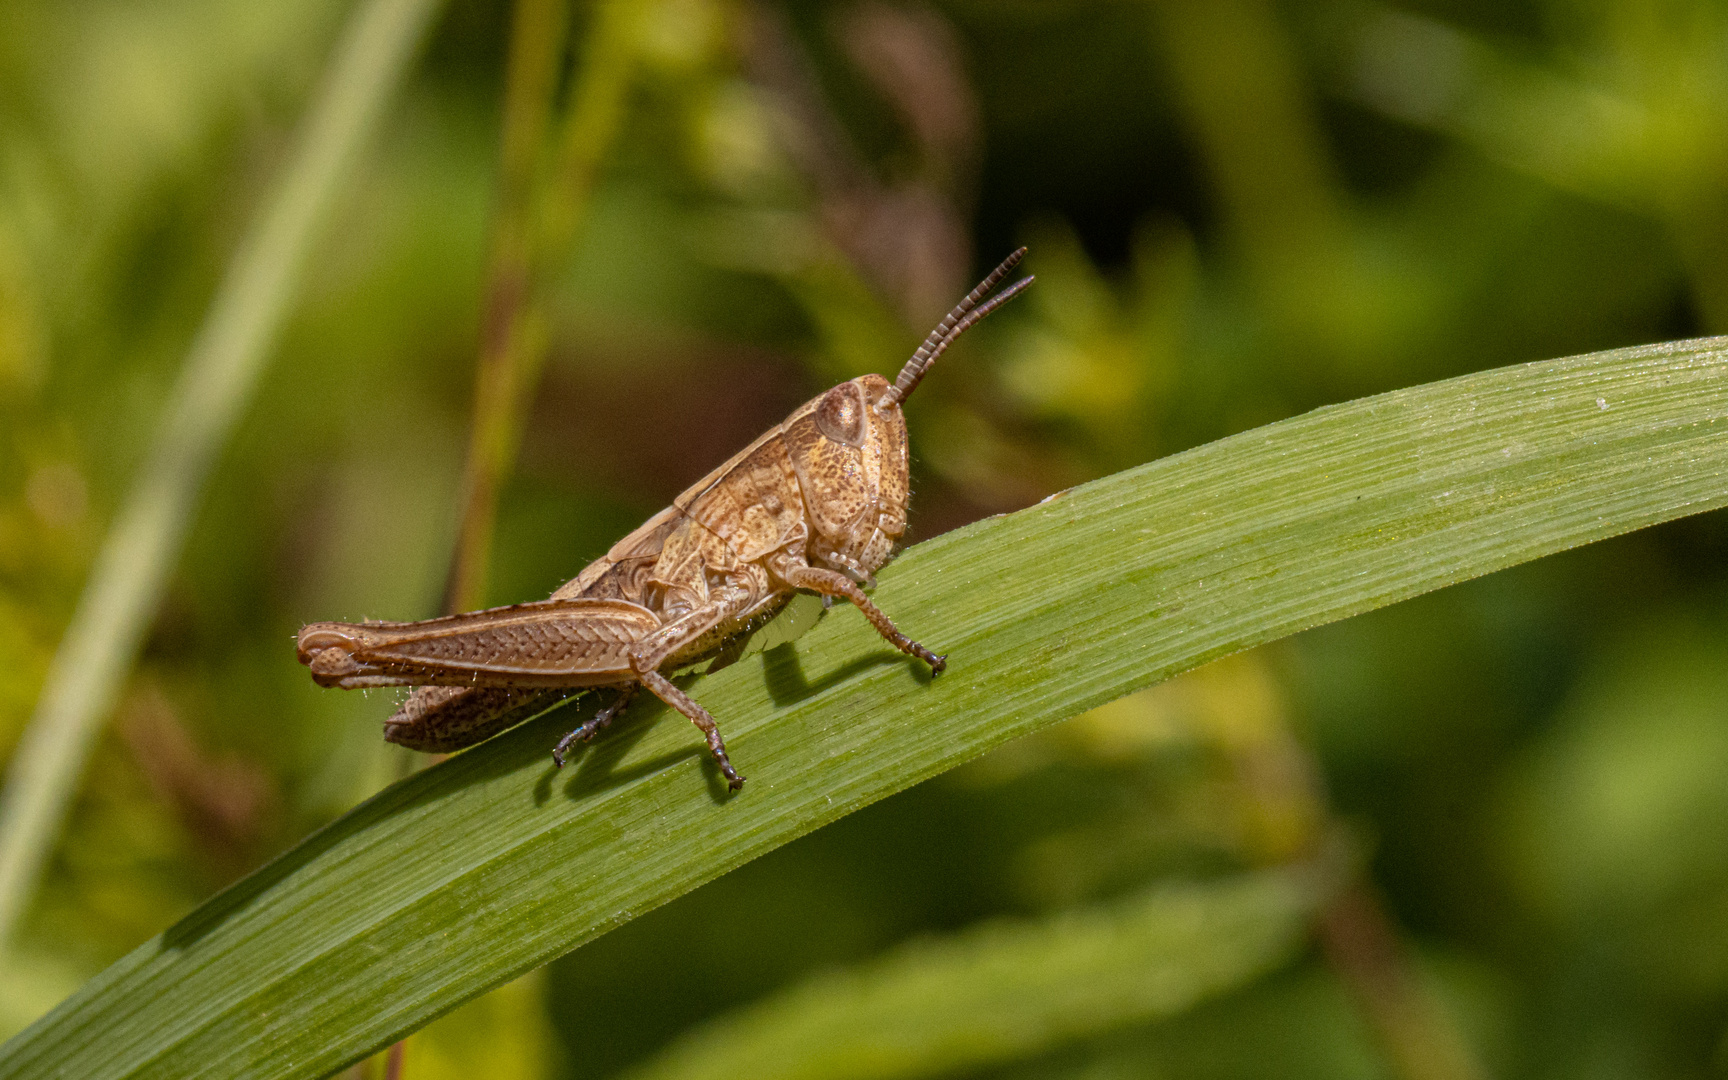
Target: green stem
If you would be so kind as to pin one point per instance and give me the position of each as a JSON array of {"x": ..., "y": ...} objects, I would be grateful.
[
  {"x": 1007, "y": 989},
  {"x": 536, "y": 45},
  {"x": 1242, "y": 96},
  {"x": 592, "y": 116},
  {"x": 221, "y": 370},
  {"x": 1290, "y": 816},
  {"x": 535, "y": 230}
]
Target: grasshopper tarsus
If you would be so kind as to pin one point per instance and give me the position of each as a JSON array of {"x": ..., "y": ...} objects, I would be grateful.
[
  {"x": 563, "y": 747},
  {"x": 938, "y": 663},
  {"x": 817, "y": 503},
  {"x": 591, "y": 727}
]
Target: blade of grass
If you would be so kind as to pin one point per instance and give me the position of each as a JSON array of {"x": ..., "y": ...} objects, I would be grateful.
[
  {"x": 215, "y": 384},
  {"x": 1004, "y": 991},
  {"x": 492, "y": 863}
]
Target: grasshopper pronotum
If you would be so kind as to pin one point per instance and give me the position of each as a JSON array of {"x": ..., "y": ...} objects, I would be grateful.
[{"x": 817, "y": 504}]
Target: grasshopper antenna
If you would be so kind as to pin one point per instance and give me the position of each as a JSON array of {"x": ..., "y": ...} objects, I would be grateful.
[{"x": 965, "y": 314}]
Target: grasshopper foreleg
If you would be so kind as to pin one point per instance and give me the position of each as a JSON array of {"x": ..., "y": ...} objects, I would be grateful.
[
  {"x": 595, "y": 724},
  {"x": 834, "y": 583}
]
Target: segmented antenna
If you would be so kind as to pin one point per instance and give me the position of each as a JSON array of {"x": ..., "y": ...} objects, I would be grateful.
[{"x": 965, "y": 314}]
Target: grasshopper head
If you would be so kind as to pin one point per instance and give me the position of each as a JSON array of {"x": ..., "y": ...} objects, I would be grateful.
[
  {"x": 849, "y": 445},
  {"x": 851, "y": 463}
]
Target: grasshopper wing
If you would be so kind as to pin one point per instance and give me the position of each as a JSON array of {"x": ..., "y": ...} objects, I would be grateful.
[{"x": 549, "y": 643}]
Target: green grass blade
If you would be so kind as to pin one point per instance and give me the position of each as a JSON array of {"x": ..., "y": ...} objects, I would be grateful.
[
  {"x": 215, "y": 385},
  {"x": 1004, "y": 991},
  {"x": 477, "y": 870}
]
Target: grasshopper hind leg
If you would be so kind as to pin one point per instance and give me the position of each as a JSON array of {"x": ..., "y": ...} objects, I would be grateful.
[{"x": 594, "y": 724}]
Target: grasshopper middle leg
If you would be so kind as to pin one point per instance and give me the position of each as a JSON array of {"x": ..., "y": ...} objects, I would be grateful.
[{"x": 594, "y": 724}]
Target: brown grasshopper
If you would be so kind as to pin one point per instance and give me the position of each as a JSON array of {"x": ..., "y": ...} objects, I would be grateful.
[{"x": 815, "y": 504}]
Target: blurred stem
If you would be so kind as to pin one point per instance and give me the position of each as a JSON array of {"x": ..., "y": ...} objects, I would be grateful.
[
  {"x": 1246, "y": 104},
  {"x": 503, "y": 375},
  {"x": 1361, "y": 943},
  {"x": 221, "y": 369},
  {"x": 535, "y": 227},
  {"x": 591, "y": 119},
  {"x": 1699, "y": 236},
  {"x": 536, "y": 46},
  {"x": 1006, "y": 990},
  {"x": 1288, "y": 820}
]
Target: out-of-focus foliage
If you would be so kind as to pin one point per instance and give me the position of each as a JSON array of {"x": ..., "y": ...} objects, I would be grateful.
[
  {"x": 1003, "y": 991},
  {"x": 1238, "y": 210}
]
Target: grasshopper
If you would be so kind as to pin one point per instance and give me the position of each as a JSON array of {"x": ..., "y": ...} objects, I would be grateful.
[{"x": 816, "y": 504}]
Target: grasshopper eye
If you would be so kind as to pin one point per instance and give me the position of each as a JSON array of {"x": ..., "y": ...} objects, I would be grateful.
[{"x": 840, "y": 416}]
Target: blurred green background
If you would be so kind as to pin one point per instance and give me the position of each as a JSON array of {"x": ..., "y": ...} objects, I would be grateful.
[{"x": 1237, "y": 211}]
